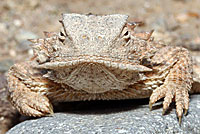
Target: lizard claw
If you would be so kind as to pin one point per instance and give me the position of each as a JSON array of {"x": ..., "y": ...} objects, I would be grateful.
[
  {"x": 186, "y": 111},
  {"x": 180, "y": 95},
  {"x": 163, "y": 112},
  {"x": 150, "y": 106},
  {"x": 32, "y": 104},
  {"x": 179, "y": 120}
]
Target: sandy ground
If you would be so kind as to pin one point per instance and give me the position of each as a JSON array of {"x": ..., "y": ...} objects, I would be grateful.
[{"x": 174, "y": 21}]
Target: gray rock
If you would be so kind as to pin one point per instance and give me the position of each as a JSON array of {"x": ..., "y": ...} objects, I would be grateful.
[
  {"x": 8, "y": 113},
  {"x": 5, "y": 65},
  {"x": 121, "y": 117},
  {"x": 21, "y": 38},
  {"x": 192, "y": 46}
]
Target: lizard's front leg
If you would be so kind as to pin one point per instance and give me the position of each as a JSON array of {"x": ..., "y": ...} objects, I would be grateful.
[
  {"x": 27, "y": 90},
  {"x": 178, "y": 82}
]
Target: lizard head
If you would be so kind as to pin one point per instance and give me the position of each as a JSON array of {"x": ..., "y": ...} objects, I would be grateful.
[
  {"x": 90, "y": 47},
  {"x": 88, "y": 38}
]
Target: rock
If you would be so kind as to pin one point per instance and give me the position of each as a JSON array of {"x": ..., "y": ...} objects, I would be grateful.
[
  {"x": 34, "y": 3},
  {"x": 182, "y": 17},
  {"x": 186, "y": 16},
  {"x": 195, "y": 44},
  {"x": 17, "y": 22},
  {"x": 128, "y": 116},
  {"x": 8, "y": 114},
  {"x": 21, "y": 38},
  {"x": 191, "y": 46},
  {"x": 5, "y": 65},
  {"x": 3, "y": 28},
  {"x": 3, "y": 81}
]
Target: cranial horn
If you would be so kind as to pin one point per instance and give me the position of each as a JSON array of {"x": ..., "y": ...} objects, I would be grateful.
[
  {"x": 132, "y": 25},
  {"x": 46, "y": 33},
  {"x": 36, "y": 42},
  {"x": 33, "y": 40},
  {"x": 49, "y": 34},
  {"x": 144, "y": 35}
]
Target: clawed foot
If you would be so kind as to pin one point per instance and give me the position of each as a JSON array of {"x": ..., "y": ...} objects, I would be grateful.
[
  {"x": 32, "y": 104},
  {"x": 171, "y": 92}
]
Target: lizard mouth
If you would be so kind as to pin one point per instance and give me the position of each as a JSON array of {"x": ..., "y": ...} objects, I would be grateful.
[{"x": 107, "y": 62}]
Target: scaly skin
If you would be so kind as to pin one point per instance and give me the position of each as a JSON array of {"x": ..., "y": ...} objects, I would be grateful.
[{"x": 100, "y": 58}]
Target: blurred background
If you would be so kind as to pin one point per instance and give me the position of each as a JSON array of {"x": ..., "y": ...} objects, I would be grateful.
[{"x": 175, "y": 22}]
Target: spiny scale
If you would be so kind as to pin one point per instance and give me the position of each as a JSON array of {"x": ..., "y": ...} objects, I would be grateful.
[{"x": 106, "y": 42}]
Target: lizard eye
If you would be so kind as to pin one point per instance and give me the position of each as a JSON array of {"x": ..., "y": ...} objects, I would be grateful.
[
  {"x": 62, "y": 36},
  {"x": 125, "y": 34}
]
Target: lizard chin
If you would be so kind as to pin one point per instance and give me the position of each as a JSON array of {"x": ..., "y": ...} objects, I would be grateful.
[{"x": 95, "y": 78}]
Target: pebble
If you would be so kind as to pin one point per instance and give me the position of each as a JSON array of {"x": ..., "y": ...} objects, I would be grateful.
[
  {"x": 17, "y": 22},
  {"x": 3, "y": 27},
  {"x": 5, "y": 65},
  {"x": 182, "y": 17}
]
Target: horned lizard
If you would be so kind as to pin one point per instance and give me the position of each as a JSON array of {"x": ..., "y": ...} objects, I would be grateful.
[{"x": 100, "y": 57}]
